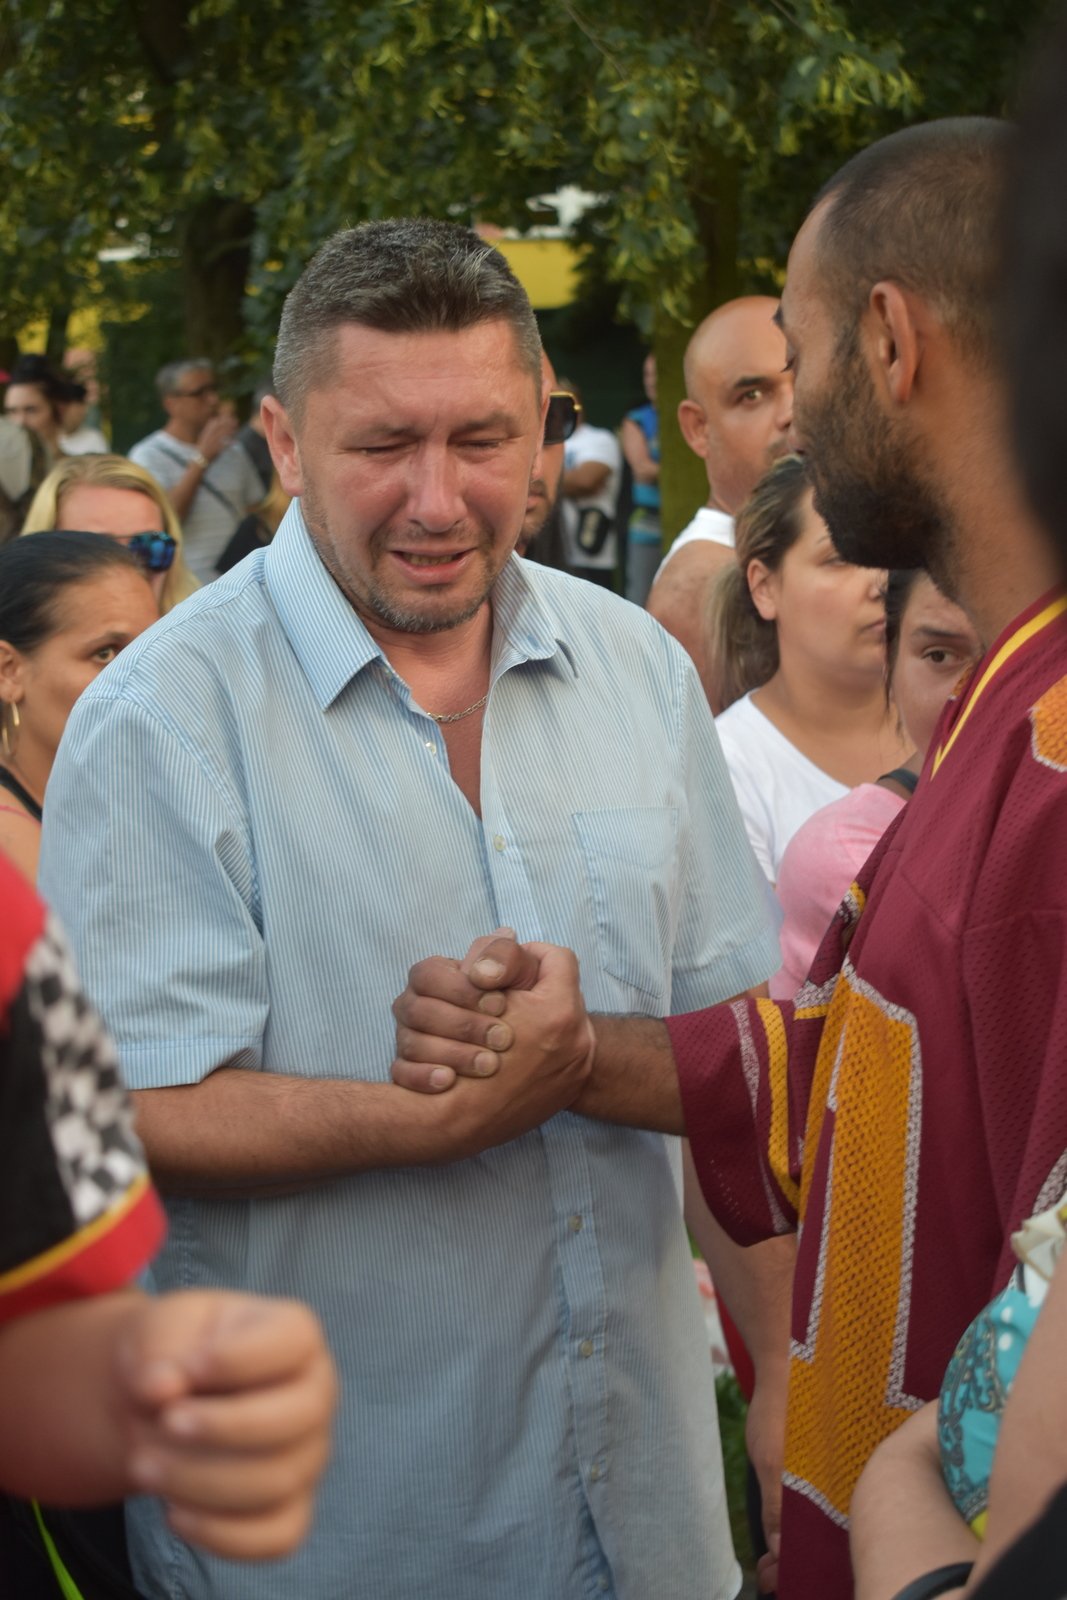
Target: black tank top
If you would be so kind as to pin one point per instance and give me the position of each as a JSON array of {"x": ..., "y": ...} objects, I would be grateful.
[{"x": 9, "y": 782}]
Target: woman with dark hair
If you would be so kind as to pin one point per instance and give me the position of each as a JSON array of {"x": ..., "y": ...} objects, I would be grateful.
[
  {"x": 37, "y": 397},
  {"x": 69, "y": 602},
  {"x": 798, "y": 645},
  {"x": 929, "y": 644}
]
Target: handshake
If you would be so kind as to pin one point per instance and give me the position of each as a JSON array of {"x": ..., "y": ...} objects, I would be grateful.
[
  {"x": 509, "y": 1015},
  {"x": 503, "y": 1038}
]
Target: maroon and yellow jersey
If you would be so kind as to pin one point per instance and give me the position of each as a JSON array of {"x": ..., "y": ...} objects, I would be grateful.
[
  {"x": 909, "y": 1109},
  {"x": 78, "y": 1215}
]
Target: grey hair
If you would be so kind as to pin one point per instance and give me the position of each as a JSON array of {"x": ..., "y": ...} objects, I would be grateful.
[
  {"x": 401, "y": 275},
  {"x": 169, "y": 377}
]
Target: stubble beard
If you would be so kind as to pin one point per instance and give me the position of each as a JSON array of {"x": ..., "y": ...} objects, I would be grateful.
[
  {"x": 879, "y": 507},
  {"x": 375, "y": 601}
]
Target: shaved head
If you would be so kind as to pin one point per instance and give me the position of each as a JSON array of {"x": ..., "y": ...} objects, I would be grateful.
[
  {"x": 738, "y": 401},
  {"x": 919, "y": 208},
  {"x": 733, "y": 333}
]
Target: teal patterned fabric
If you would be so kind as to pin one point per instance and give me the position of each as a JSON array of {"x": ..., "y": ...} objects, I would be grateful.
[{"x": 973, "y": 1395}]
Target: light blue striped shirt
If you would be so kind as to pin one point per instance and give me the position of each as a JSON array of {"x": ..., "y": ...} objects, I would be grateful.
[{"x": 251, "y": 834}]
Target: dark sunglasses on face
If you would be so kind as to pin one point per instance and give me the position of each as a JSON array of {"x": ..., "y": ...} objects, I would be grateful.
[
  {"x": 564, "y": 415},
  {"x": 155, "y": 550},
  {"x": 195, "y": 394}
]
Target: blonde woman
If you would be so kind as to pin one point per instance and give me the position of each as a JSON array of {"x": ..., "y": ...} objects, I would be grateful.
[{"x": 108, "y": 494}]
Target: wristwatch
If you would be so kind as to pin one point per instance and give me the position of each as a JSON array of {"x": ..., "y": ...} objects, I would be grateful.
[
  {"x": 941, "y": 1581},
  {"x": 200, "y": 460}
]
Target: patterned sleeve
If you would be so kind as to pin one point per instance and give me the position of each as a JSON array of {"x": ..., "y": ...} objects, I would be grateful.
[
  {"x": 80, "y": 1216},
  {"x": 743, "y": 1117},
  {"x": 746, "y": 1072}
]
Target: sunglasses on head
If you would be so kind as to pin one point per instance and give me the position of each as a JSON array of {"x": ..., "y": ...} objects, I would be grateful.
[
  {"x": 155, "y": 550},
  {"x": 564, "y": 415}
]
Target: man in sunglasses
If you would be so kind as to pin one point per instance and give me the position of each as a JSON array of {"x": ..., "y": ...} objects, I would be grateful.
[
  {"x": 360, "y": 744},
  {"x": 541, "y": 537},
  {"x": 592, "y": 473},
  {"x": 210, "y": 479}
]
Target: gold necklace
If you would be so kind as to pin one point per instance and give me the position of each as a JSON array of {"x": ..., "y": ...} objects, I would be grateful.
[{"x": 457, "y": 716}]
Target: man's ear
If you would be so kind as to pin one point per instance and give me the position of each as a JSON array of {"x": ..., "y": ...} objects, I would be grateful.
[
  {"x": 762, "y": 588},
  {"x": 895, "y": 329},
  {"x": 694, "y": 426},
  {"x": 12, "y": 667},
  {"x": 283, "y": 446}
]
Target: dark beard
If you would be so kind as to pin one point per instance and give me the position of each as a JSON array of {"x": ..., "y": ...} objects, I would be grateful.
[{"x": 879, "y": 509}]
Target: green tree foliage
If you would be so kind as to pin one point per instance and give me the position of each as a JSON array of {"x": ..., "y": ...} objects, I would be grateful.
[{"x": 232, "y": 137}]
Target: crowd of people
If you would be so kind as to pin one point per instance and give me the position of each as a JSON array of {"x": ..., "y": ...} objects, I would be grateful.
[{"x": 465, "y": 932}]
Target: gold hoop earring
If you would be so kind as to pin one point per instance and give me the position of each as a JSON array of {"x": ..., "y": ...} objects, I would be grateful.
[{"x": 5, "y": 737}]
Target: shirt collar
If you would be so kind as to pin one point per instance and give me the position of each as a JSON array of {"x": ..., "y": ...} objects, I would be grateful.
[
  {"x": 332, "y": 644},
  {"x": 525, "y": 625}
]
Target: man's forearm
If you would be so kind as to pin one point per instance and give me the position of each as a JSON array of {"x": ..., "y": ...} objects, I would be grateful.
[
  {"x": 246, "y": 1133},
  {"x": 755, "y": 1281},
  {"x": 903, "y": 1522},
  {"x": 634, "y": 1080}
]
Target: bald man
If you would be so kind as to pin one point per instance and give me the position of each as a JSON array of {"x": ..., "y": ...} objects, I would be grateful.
[{"x": 735, "y": 416}]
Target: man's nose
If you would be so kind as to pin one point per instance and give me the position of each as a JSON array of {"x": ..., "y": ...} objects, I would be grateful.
[
  {"x": 784, "y": 418},
  {"x": 435, "y": 491}
]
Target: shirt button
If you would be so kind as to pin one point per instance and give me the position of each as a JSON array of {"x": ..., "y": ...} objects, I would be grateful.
[
  {"x": 586, "y": 1347},
  {"x": 575, "y": 1224},
  {"x": 499, "y": 842},
  {"x": 602, "y": 1584},
  {"x": 431, "y": 747}
]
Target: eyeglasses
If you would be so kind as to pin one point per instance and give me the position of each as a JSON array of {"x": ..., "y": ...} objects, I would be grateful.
[
  {"x": 195, "y": 394},
  {"x": 155, "y": 550},
  {"x": 564, "y": 415}
]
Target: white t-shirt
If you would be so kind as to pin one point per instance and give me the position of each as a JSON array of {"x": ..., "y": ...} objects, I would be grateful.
[
  {"x": 713, "y": 526},
  {"x": 777, "y": 787},
  {"x": 84, "y": 441},
  {"x": 591, "y": 444},
  {"x": 16, "y": 459}
]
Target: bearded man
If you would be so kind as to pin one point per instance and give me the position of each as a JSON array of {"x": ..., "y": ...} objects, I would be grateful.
[{"x": 909, "y": 1110}]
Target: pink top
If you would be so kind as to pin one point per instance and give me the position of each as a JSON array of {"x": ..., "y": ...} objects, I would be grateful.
[{"x": 819, "y": 866}]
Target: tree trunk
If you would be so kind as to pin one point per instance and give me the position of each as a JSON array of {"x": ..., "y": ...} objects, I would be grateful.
[
  {"x": 56, "y": 341},
  {"x": 216, "y": 254},
  {"x": 683, "y": 478}
]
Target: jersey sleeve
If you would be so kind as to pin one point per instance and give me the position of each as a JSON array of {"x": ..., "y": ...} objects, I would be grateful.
[
  {"x": 746, "y": 1072},
  {"x": 744, "y": 1111},
  {"x": 80, "y": 1216}
]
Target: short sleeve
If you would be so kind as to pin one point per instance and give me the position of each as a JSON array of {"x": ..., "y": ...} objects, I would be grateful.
[
  {"x": 164, "y": 469},
  {"x": 79, "y": 1214},
  {"x": 728, "y": 923},
  {"x": 749, "y": 780},
  {"x": 594, "y": 444},
  {"x": 147, "y": 858}
]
